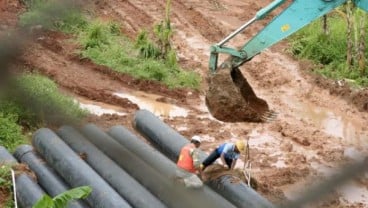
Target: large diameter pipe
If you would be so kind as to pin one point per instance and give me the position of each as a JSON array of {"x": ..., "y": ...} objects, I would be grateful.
[
  {"x": 28, "y": 192},
  {"x": 165, "y": 166},
  {"x": 47, "y": 178},
  {"x": 75, "y": 171},
  {"x": 175, "y": 195},
  {"x": 121, "y": 181},
  {"x": 170, "y": 142}
]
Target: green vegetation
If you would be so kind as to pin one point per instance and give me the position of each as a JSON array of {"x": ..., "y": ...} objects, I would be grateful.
[
  {"x": 33, "y": 101},
  {"x": 329, "y": 50},
  {"x": 42, "y": 101},
  {"x": 10, "y": 132},
  {"x": 6, "y": 185},
  {"x": 51, "y": 14},
  {"x": 104, "y": 44},
  {"x": 62, "y": 200}
]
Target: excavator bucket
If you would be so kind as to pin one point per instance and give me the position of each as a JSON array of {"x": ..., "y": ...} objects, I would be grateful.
[{"x": 230, "y": 98}]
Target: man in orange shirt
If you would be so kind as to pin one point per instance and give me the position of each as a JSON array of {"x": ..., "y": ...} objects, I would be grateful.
[
  {"x": 189, "y": 156},
  {"x": 189, "y": 164}
]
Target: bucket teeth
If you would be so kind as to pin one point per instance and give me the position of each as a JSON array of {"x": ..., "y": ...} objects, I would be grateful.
[{"x": 269, "y": 116}]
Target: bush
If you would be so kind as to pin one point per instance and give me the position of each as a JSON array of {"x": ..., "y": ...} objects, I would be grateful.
[{"x": 10, "y": 132}]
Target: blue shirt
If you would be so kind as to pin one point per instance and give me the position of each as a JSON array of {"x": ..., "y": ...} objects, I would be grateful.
[{"x": 228, "y": 150}]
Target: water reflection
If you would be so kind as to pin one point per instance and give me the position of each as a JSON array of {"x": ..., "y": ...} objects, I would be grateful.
[{"x": 149, "y": 102}]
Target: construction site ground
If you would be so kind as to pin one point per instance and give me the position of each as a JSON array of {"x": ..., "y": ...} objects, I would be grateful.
[{"x": 321, "y": 124}]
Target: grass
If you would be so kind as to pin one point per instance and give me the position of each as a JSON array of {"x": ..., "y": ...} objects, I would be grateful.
[
  {"x": 328, "y": 50},
  {"x": 103, "y": 43},
  {"x": 31, "y": 102}
]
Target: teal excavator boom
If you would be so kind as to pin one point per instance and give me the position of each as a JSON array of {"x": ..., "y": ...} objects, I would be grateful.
[
  {"x": 295, "y": 16},
  {"x": 230, "y": 97}
]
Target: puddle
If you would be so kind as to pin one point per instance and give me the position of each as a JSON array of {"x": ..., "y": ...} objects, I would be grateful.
[
  {"x": 149, "y": 102},
  {"x": 354, "y": 154},
  {"x": 352, "y": 192},
  {"x": 332, "y": 123},
  {"x": 98, "y": 110}
]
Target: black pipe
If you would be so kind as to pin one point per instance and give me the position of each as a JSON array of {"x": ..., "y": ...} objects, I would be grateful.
[
  {"x": 170, "y": 142},
  {"x": 172, "y": 193},
  {"x": 47, "y": 178},
  {"x": 28, "y": 192},
  {"x": 123, "y": 183},
  {"x": 75, "y": 171},
  {"x": 161, "y": 163}
]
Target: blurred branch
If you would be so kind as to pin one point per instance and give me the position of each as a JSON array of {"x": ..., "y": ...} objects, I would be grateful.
[{"x": 318, "y": 192}]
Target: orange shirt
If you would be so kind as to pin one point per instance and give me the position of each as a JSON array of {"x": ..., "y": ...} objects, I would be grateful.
[{"x": 185, "y": 160}]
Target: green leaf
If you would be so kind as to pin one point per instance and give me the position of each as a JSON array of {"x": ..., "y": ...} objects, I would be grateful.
[
  {"x": 45, "y": 202},
  {"x": 62, "y": 199}
]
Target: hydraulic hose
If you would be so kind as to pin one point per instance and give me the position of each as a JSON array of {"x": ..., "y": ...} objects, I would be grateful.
[
  {"x": 166, "y": 188},
  {"x": 121, "y": 181},
  {"x": 75, "y": 171},
  {"x": 170, "y": 142},
  {"x": 162, "y": 164},
  {"x": 28, "y": 192},
  {"x": 47, "y": 178}
]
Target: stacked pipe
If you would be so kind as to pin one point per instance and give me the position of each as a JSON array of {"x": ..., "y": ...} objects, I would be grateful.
[
  {"x": 158, "y": 161},
  {"x": 160, "y": 183},
  {"x": 75, "y": 171},
  {"x": 28, "y": 192},
  {"x": 47, "y": 178},
  {"x": 170, "y": 142},
  {"x": 122, "y": 182}
]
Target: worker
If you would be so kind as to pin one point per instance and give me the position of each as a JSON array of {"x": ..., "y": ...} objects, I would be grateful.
[
  {"x": 189, "y": 164},
  {"x": 228, "y": 152},
  {"x": 189, "y": 156}
]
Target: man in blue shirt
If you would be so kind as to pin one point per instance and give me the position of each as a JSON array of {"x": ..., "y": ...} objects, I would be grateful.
[{"x": 228, "y": 152}]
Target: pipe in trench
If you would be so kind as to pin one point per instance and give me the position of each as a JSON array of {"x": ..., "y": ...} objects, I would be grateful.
[
  {"x": 162, "y": 164},
  {"x": 75, "y": 171},
  {"x": 167, "y": 189},
  {"x": 28, "y": 191},
  {"x": 120, "y": 180},
  {"x": 170, "y": 142},
  {"x": 47, "y": 178}
]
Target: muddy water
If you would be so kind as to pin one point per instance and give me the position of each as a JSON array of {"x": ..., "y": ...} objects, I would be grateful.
[
  {"x": 349, "y": 132},
  {"x": 98, "y": 108},
  {"x": 150, "y": 102},
  {"x": 338, "y": 125}
]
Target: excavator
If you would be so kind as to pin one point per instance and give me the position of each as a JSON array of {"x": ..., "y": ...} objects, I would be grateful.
[{"x": 230, "y": 97}]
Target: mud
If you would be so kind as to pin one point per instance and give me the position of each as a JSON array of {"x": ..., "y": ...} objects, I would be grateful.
[{"x": 284, "y": 152}]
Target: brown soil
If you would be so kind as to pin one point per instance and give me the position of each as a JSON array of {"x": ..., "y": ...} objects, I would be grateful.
[{"x": 297, "y": 139}]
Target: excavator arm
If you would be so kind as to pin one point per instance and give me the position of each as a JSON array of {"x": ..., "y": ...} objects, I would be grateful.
[
  {"x": 230, "y": 97},
  {"x": 295, "y": 16}
]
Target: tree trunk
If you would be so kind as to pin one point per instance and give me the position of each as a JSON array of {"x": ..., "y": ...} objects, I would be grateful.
[
  {"x": 350, "y": 38},
  {"x": 361, "y": 52},
  {"x": 324, "y": 25}
]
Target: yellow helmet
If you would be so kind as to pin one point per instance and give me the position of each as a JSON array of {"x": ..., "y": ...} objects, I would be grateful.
[{"x": 240, "y": 145}]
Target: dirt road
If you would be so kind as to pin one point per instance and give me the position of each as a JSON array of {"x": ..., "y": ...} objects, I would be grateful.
[{"x": 320, "y": 124}]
